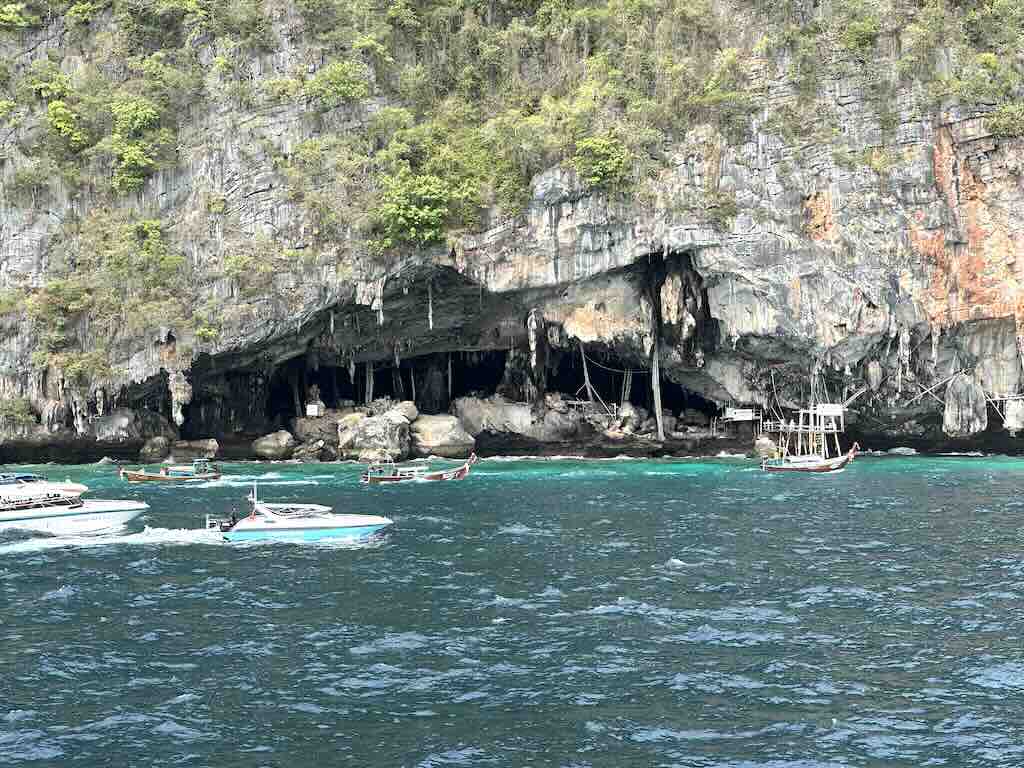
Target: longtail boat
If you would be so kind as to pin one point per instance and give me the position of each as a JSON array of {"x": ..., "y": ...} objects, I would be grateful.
[
  {"x": 388, "y": 472},
  {"x": 200, "y": 469},
  {"x": 810, "y": 463},
  {"x": 803, "y": 445}
]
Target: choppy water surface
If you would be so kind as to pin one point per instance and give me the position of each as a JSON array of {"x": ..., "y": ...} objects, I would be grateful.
[{"x": 558, "y": 613}]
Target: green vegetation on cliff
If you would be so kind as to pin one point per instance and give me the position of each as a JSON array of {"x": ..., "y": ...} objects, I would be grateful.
[
  {"x": 421, "y": 119},
  {"x": 123, "y": 279},
  {"x": 16, "y": 412}
]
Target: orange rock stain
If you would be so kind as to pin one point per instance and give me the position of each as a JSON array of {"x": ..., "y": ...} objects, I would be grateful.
[{"x": 979, "y": 273}]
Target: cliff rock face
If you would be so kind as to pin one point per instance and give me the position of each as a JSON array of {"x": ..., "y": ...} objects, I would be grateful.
[
  {"x": 371, "y": 438},
  {"x": 966, "y": 413},
  {"x": 440, "y": 436},
  {"x": 275, "y": 446},
  {"x": 749, "y": 263},
  {"x": 125, "y": 425},
  {"x": 498, "y": 416}
]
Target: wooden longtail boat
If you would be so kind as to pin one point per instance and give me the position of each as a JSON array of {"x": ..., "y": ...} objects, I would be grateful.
[
  {"x": 200, "y": 469},
  {"x": 805, "y": 463},
  {"x": 387, "y": 472},
  {"x": 803, "y": 445}
]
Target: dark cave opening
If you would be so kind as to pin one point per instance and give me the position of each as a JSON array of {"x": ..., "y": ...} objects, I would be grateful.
[
  {"x": 565, "y": 375},
  {"x": 477, "y": 373},
  {"x": 677, "y": 399},
  {"x": 292, "y": 387},
  {"x": 287, "y": 383},
  {"x": 151, "y": 395},
  {"x": 607, "y": 377},
  {"x": 251, "y": 401},
  {"x": 423, "y": 379},
  {"x": 232, "y": 401},
  {"x": 333, "y": 383}
]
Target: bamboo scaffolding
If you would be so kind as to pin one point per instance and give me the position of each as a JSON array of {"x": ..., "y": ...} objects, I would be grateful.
[{"x": 936, "y": 386}]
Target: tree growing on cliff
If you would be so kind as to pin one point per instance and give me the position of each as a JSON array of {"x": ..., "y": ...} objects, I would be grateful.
[
  {"x": 340, "y": 82},
  {"x": 602, "y": 162},
  {"x": 412, "y": 211}
]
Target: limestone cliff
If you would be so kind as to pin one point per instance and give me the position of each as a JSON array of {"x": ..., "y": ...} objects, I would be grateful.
[{"x": 866, "y": 236}]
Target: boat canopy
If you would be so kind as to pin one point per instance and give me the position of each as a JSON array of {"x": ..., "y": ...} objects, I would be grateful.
[
  {"x": 389, "y": 468},
  {"x": 197, "y": 467}
]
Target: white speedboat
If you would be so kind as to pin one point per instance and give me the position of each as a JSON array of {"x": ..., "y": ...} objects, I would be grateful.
[
  {"x": 31, "y": 508},
  {"x": 295, "y": 522},
  {"x": 39, "y": 483}
]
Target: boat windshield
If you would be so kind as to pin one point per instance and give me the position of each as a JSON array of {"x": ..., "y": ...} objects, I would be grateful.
[
  {"x": 292, "y": 510},
  {"x": 37, "y": 501},
  {"x": 18, "y": 479}
]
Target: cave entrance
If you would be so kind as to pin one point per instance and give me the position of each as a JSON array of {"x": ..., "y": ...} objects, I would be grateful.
[
  {"x": 280, "y": 402},
  {"x": 291, "y": 387},
  {"x": 692, "y": 408},
  {"x": 336, "y": 386},
  {"x": 477, "y": 373},
  {"x": 428, "y": 379},
  {"x": 424, "y": 379},
  {"x": 608, "y": 378},
  {"x": 565, "y": 375}
]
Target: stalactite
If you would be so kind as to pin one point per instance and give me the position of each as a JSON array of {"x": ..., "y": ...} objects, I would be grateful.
[
  {"x": 369, "y": 382},
  {"x": 656, "y": 387},
  {"x": 534, "y": 322},
  {"x": 430, "y": 304},
  {"x": 180, "y": 393},
  {"x": 412, "y": 381},
  {"x": 537, "y": 341},
  {"x": 903, "y": 358},
  {"x": 449, "y": 377},
  {"x": 293, "y": 380},
  {"x": 397, "y": 385}
]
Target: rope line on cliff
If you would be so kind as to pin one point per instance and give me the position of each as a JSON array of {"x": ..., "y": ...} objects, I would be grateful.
[{"x": 615, "y": 370}]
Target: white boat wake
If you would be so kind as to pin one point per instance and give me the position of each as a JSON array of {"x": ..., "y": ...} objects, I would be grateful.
[{"x": 148, "y": 536}]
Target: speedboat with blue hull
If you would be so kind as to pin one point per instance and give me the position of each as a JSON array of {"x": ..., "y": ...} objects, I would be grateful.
[{"x": 296, "y": 522}]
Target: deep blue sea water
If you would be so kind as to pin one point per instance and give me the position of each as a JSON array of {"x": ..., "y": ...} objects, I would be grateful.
[{"x": 541, "y": 613}]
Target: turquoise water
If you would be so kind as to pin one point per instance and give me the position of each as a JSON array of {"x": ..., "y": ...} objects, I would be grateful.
[{"x": 556, "y": 613}]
